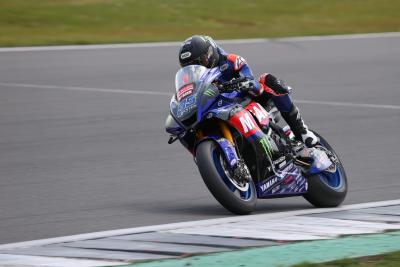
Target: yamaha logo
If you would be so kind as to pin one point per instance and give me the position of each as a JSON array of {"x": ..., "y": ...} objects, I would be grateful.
[{"x": 269, "y": 183}]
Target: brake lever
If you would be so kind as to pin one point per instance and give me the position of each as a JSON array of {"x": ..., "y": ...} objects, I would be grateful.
[
  {"x": 235, "y": 81},
  {"x": 172, "y": 139},
  {"x": 232, "y": 85}
]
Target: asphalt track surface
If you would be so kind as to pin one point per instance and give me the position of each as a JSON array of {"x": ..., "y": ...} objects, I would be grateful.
[{"x": 76, "y": 160}]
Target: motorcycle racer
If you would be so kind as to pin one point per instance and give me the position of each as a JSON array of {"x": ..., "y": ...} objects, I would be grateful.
[{"x": 202, "y": 50}]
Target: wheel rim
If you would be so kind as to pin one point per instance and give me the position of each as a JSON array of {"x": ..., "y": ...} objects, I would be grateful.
[
  {"x": 332, "y": 179},
  {"x": 243, "y": 191}
]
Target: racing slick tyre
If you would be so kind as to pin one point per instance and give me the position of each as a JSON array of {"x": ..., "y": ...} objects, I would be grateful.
[
  {"x": 237, "y": 197},
  {"x": 327, "y": 189}
]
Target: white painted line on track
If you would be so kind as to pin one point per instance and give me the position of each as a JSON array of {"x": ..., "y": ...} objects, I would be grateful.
[
  {"x": 172, "y": 44},
  {"x": 201, "y": 223},
  {"x": 340, "y": 37},
  {"x": 88, "y": 89},
  {"x": 346, "y": 104},
  {"x": 137, "y": 92}
]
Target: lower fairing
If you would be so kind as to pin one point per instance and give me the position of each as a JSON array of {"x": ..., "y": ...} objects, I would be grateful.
[{"x": 288, "y": 181}]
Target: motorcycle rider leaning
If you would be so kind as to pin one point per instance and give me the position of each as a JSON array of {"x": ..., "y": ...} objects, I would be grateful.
[{"x": 202, "y": 50}]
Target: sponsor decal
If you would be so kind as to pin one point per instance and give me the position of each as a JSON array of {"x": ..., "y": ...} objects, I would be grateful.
[
  {"x": 185, "y": 91},
  {"x": 187, "y": 41},
  {"x": 247, "y": 122},
  {"x": 289, "y": 179},
  {"x": 209, "y": 92},
  {"x": 244, "y": 122},
  {"x": 231, "y": 156},
  {"x": 292, "y": 183},
  {"x": 275, "y": 189},
  {"x": 279, "y": 160},
  {"x": 261, "y": 114},
  {"x": 266, "y": 146},
  {"x": 186, "y": 55},
  {"x": 239, "y": 62},
  {"x": 269, "y": 183},
  {"x": 187, "y": 105},
  {"x": 282, "y": 164},
  {"x": 229, "y": 151}
]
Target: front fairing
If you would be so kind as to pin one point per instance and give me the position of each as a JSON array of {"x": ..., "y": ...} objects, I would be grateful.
[
  {"x": 189, "y": 110},
  {"x": 195, "y": 93},
  {"x": 172, "y": 126}
]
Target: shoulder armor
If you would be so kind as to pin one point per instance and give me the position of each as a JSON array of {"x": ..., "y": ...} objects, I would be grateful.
[{"x": 238, "y": 61}]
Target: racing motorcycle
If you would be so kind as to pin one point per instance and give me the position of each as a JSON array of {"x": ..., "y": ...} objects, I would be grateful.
[{"x": 240, "y": 149}]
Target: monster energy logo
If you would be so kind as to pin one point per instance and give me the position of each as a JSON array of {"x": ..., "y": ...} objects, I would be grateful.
[
  {"x": 266, "y": 146},
  {"x": 209, "y": 92}
]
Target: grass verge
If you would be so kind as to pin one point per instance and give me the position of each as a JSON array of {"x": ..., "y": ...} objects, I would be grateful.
[
  {"x": 384, "y": 260},
  {"x": 53, "y": 22}
]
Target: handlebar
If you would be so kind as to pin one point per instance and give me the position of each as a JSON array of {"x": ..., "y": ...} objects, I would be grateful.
[
  {"x": 240, "y": 84},
  {"x": 232, "y": 85}
]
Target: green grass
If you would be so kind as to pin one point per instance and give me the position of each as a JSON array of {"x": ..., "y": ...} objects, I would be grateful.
[
  {"x": 51, "y": 22},
  {"x": 385, "y": 260}
]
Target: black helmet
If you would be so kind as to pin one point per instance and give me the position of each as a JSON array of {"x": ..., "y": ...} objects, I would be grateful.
[{"x": 199, "y": 50}]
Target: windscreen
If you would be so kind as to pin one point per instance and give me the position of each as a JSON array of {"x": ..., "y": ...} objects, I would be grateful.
[
  {"x": 188, "y": 75},
  {"x": 190, "y": 83}
]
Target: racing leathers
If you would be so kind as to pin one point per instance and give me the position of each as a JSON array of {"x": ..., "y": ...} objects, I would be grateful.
[{"x": 267, "y": 87}]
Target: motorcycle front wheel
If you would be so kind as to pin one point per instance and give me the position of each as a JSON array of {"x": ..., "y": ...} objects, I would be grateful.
[
  {"x": 327, "y": 189},
  {"x": 237, "y": 197}
]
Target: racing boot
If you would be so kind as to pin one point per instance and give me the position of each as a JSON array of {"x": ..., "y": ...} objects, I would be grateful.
[{"x": 300, "y": 130}]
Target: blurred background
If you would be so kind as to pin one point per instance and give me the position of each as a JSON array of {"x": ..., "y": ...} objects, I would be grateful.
[{"x": 44, "y": 22}]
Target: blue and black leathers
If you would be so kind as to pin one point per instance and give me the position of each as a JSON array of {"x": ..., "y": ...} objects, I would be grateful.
[
  {"x": 266, "y": 87},
  {"x": 234, "y": 66}
]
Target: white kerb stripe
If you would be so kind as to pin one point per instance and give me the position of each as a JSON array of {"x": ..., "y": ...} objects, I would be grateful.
[
  {"x": 166, "y": 227},
  {"x": 89, "y": 89},
  {"x": 346, "y": 104},
  {"x": 234, "y": 41}
]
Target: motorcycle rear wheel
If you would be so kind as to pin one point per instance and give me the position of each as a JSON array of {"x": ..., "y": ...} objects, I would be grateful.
[
  {"x": 327, "y": 189},
  {"x": 237, "y": 198}
]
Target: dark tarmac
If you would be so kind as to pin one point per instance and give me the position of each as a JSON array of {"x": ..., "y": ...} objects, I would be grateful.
[{"x": 83, "y": 160}]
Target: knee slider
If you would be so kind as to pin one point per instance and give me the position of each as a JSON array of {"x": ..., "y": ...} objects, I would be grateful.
[
  {"x": 278, "y": 85},
  {"x": 263, "y": 78}
]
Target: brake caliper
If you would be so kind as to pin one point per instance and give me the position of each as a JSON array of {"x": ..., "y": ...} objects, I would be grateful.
[{"x": 241, "y": 173}]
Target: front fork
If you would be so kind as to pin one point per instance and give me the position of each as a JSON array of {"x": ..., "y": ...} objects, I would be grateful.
[
  {"x": 226, "y": 132},
  {"x": 238, "y": 168},
  {"x": 225, "y": 142}
]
